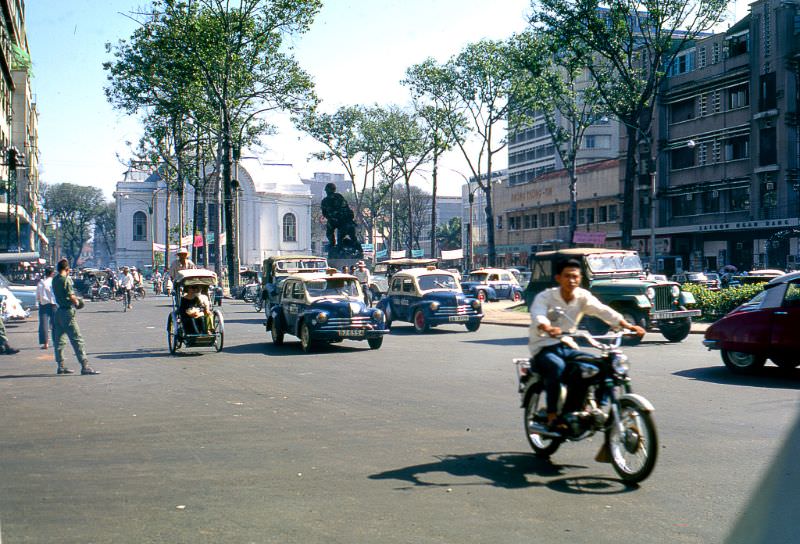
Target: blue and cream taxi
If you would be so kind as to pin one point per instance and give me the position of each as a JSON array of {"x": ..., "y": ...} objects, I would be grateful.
[
  {"x": 427, "y": 297},
  {"x": 492, "y": 284},
  {"x": 324, "y": 307}
]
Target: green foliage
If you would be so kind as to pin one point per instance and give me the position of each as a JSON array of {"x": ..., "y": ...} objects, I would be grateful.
[
  {"x": 449, "y": 235},
  {"x": 73, "y": 208},
  {"x": 715, "y": 304}
]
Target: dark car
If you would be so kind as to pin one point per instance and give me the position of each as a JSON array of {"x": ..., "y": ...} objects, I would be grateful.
[
  {"x": 764, "y": 328},
  {"x": 697, "y": 278},
  {"x": 324, "y": 308},
  {"x": 428, "y": 297}
]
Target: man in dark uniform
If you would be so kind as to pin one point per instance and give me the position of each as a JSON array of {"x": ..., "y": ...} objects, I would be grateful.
[
  {"x": 64, "y": 323},
  {"x": 5, "y": 348}
]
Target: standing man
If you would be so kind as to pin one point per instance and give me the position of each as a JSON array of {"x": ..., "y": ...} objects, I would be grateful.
[
  {"x": 65, "y": 324},
  {"x": 126, "y": 282},
  {"x": 363, "y": 276},
  {"x": 181, "y": 263},
  {"x": 47, "y": 305}
]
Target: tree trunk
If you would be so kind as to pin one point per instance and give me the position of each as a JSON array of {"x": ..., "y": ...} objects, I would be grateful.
[
  {"x": 166, "y": 224},
  {"x": 628, "y": 189},
  {"x": 410, "y": 216},
  {"x": 433, "y": 202},
  {"x": 232, "y": 241},
  {"x": 573, "y": 202},
  {"x": 489, "y": 209}
]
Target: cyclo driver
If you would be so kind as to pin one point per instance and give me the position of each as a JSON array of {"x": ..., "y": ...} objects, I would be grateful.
[{"x": 549, "y": 353}]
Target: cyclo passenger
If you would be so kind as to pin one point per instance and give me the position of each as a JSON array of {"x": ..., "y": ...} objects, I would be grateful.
[
  {"x": 550, "y": 355},
  {"x": 195, "y": 311}
]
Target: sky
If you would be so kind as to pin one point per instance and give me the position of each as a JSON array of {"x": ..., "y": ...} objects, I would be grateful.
[{"x": 357, "y": 51}]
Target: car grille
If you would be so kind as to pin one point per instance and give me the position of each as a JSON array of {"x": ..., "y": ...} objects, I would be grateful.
[
  {"x": 462, "y": 309},
  {"x": 663, "y": 299},
  {"x": 355, "y": 322}
]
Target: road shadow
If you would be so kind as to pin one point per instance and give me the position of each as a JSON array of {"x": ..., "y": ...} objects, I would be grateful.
[
  {"x": 507, "y": 470},
  {"x": 136, "y": 354},
  {"x": 400, "y": 330},
  {"x": 512, "y": 341},
  {"x": 770, "y": 377},
  {"x": 15, "y": 376},
  {"x": 253, "y": 321}
]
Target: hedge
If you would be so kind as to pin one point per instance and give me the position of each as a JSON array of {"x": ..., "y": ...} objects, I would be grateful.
[{"x": 716, "y": 304}]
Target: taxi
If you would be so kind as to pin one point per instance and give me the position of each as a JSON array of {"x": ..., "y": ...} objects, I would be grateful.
[
  {"x": 324, "y": 307},
  {"x": 492, "y": 284},
  {"x": 427, "y": 297}
]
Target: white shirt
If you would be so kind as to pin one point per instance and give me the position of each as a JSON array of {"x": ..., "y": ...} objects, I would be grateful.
[
  {"x": 44, "y": 292},
  {"x": 582, "y": 303},
  {"x": 362, "y": 276},
  {"x": 127, "y": 281}
]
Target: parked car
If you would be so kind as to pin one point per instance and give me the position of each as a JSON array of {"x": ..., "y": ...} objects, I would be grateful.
[
  {"x": 523, "y": 276},
  {"x": 25, "y": 294},
  {"x": 428, "y": 297},
  {"x": 492, "y": 284},
  {"x": 384, "y": 271},
  {"x": 617, "y": 278},
  {"x": 324, "y": 308},
  {"x": 11, "y": 307},
  {"x": 766, "y": 327},
  {"x": 697, "y": 278}
]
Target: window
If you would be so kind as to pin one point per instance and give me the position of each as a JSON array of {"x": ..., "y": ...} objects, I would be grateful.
[
  {"x": 710, "y": 202},
  {"x": 612, "y": 212},
  {"x": 526, "y": 222},
  {"x": 792, "y": 297},
  {"x": 766, "y": 93},
  {"x": 682, "y": 64},
  {"x": 562, "y": 218},
  {"x": 702, "y": 154},
  {"x": 683, "y": 205},
  {"x": 552, "y": 219},
  {"x": 582, "y": 216},
  {"x": 589, "y": 215},
  {"x": 297, "y": 291},
  {"x": 499, "y": 222},
  {"x": 408, "y": 285},
  {"x": 534, "y": 221},
  {"x": 739, "y": 199},
  {"x": 738, "y": 45},
  {"x": 767, "y": 149},
  {"x": 737, "y": 148},
  {"x": 287, "y": 290},
  {"x": 597, "y": 141},
  {"x": 739, "y": 96},
  {"x": 542, "y": 271},
  {"x": 289, "y": 228},
  {"x": 682, "y": 157},
  {"x": 682, "y": 111},
  {"x": 602, "y": 214},
  {"x": 139, "y": 227}
]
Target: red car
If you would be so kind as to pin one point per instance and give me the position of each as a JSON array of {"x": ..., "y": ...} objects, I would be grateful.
[{"x": 766, "y": 327}]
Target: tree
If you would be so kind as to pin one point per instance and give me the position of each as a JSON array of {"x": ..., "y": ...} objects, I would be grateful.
[
  {"x": 627, "y": 45},
  {"x": 553, "y": 82},
  {"x": 411, "y": 215},
  {"x": 105, "y": 226},
  {"x": 448, "y": 235},
  {"x": 74, "y": 208}
]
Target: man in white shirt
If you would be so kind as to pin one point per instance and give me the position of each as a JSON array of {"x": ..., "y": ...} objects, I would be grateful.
[
  {"x": 550, "y": 355},
  {"x": 363, "y": 276},
  {"x": 47, "y": 305},
  {"x": 126, "y": 282}
]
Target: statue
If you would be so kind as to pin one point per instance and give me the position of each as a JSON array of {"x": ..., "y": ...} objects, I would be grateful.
[{"x": 341, "y": 227}]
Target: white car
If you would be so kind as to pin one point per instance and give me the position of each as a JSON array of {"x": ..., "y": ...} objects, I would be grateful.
[{"x": 10, "y": 306}]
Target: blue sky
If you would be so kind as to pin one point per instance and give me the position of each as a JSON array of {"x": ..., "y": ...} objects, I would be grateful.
[{"x": 357, "y": 51}]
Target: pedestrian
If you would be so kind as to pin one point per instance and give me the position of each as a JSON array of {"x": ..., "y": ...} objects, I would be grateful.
[
  {"x": 181, "y": 263},
  {"x": 47, "y": 306},
  {"x": 345, "y": 270},
  {"x": 364, "y": 278},
  {"x": 126, "y": 284},
  {"x": 65, "y": 323}
]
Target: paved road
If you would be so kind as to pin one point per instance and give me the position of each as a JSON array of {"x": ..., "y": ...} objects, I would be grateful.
[{"x": 420, "y": 441}]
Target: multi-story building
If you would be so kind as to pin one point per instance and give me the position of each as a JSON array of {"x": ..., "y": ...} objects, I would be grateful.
[{"x": 729, "y": 146}]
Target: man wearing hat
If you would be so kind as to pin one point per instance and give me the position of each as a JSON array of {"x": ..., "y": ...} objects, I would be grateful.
[
  {"x": 181, "y": 263},
  {"x": 363, "y": 276}
]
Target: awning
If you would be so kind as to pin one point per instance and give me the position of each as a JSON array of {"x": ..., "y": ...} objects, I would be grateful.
[{"x": 6, "y": 258}]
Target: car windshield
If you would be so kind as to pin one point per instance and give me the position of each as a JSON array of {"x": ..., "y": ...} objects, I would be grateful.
[
  {"x": 614, "y": 262},
  {"x": 334, "y": 287},
  {"x": 430, "y": 282},
  {"x": 478, "y": 277},
  {"x": 755, "y": 302},
  {"x": 283, "y": 266}
]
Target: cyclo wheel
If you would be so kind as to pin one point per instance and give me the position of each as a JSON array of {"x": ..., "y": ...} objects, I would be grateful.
[
  {"x": 543, "y": 446},
  {"x": 634, "y": 447},
  {"x": 219, "y": 332},
  {"x": 173, "y": 335}
]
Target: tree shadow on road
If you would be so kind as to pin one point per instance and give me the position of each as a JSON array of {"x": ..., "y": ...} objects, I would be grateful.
[
  {"x": 251, "y": 321},
  {"x": 136, "y": 354},
  {"x": 506, "y": 470},
  {"x": 15, "y": 376},
  {"x": 770, "y": 377},
  {"x": 512, "y": 341}
]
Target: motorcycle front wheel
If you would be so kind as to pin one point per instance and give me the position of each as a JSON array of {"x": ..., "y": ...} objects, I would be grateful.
[
  {"x": 633, "y": 443},
  {"x": 542, "y": 445}
]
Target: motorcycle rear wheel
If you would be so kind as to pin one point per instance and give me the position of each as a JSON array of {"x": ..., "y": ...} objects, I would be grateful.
[
  {"x": 634, "y": 452},
  {"x": 542, "y": 446}
]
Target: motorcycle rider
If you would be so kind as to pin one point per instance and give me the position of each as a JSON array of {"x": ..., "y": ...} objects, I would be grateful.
[{"x": 550, "y": 355}]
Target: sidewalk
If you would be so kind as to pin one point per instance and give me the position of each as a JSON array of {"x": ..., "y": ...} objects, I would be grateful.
[{"x": 502, "y": 313}]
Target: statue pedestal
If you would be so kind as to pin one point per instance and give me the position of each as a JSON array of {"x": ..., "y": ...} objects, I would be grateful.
[{"x": 339, "y": 263}]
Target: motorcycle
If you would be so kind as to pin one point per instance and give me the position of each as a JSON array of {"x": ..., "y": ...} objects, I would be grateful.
[
  {"x": 599, "y": 399},
  {"x": 258, "y": 302},
  {"x": 138, "y": 291}
]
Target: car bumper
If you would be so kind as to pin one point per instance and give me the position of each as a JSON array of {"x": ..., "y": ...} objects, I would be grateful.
[
  {"x": 712, "y": 344},
  {"x": 453, "y": 319},
  {"x": 666, "y": 315},
  {"x": 347, "y": 334}
]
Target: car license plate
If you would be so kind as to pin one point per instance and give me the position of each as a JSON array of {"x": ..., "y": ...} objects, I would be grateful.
[
  {"x": 459, "y": 318},
  {"x": 356, "y": 332}
]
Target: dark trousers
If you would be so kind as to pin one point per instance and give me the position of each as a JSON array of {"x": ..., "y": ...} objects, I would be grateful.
[
  {"x": 550, "y": 362},
  {"x": 46, "y": 312}
]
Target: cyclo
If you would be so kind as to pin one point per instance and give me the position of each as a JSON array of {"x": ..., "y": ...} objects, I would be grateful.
[{"x": 205, "y": 331}]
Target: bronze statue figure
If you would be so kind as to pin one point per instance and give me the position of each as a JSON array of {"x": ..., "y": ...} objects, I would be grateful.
[{"x": 341, "y": 226}]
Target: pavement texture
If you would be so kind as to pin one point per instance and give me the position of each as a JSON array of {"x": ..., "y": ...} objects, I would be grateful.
[{"x": 507, "y": 313}]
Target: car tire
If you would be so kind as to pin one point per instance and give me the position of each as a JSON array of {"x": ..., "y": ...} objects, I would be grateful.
[
  {"x": 634, "y": 317},
  {"x": 375, "y": 343},
  {"x": 676, "y": 331},
  {"x": 305, "y": 338},
  {"x": 276, "y": 333},
  {"x": 481, "y": 295},
  {"x": 516, "y": 296},
  {"x": 742, "y": 363},
  {"x": 421, "y": 324},
  {"x": 388, "y": 315},
  {"x": 473, "y": 326}
]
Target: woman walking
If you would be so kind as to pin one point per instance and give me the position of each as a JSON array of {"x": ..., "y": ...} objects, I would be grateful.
[{"x": 47, "y": 305}]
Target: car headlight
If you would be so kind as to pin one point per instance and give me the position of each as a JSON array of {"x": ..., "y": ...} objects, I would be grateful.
[
  {"x": 434, "y": 306},
  {"x": 476, "y": 305},
  {"x": 676, "y": 291},
  {"x": 651, "y": 293},
  {"x": 322, "y": 317},
  {"x": 377, "y": 315}
]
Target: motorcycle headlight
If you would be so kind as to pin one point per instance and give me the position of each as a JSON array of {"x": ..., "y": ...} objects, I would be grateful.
[
  {"x": 377, "y": 315},
  {"x": 620, "y": 364},
  {"x": 476, "y": 305},
  {"x": 651, "y": 293},
  {"x": 434, "y": 306},
  {"x": 676, "y": 291},
  {"x": 322, "y": 317}
]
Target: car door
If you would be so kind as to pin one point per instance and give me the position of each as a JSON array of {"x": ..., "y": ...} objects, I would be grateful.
[
  {"x": 395, "y": 298},
  {"x": 289, "y": 305},
  {"x": 406, "y": 297},
  {"x": 785, "y": 337}
]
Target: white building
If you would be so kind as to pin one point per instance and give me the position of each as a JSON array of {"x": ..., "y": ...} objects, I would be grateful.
[{"x": 274, "y": 214}]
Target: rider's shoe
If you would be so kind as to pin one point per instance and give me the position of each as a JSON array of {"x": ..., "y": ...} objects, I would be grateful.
[{"x": 64, "y": 370}]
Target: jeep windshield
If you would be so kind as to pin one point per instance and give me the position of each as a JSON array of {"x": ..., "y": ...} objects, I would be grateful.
[
  {"x": 614, "y": 263},
  {"x": 429, "y": 282},
  {"x": 343, "y": 288},
  {"x": 300, "y": 264}
]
